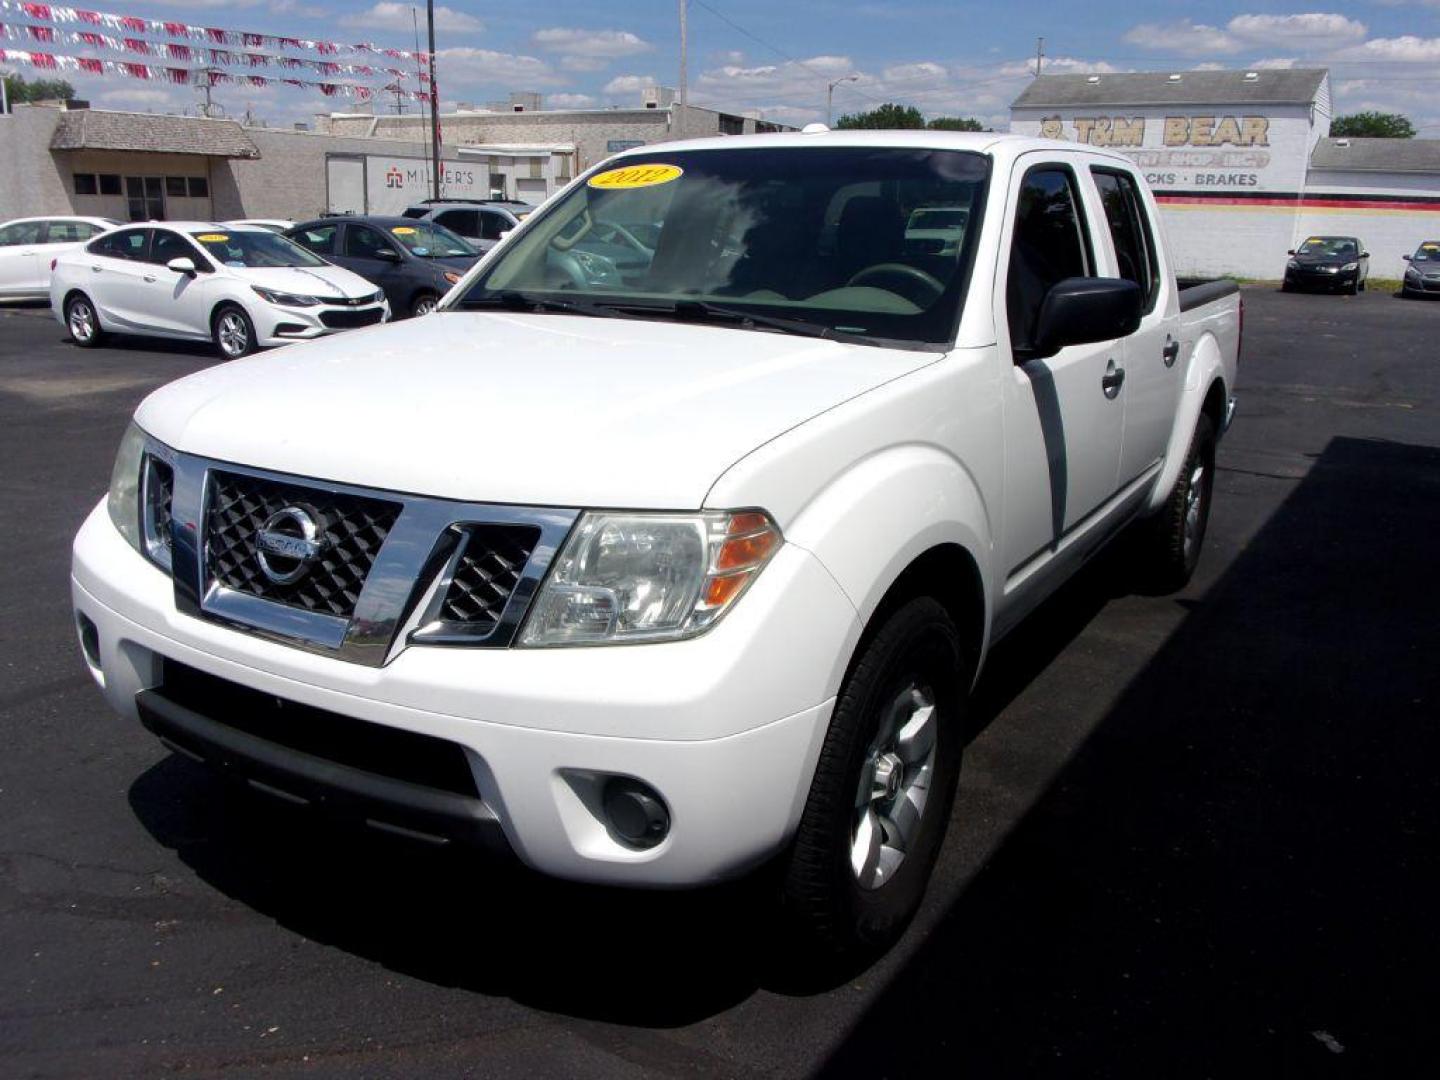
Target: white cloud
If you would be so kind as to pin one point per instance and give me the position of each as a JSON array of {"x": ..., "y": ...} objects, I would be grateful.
[
  {"x": 1275, "y": 62},
  {"x": 584, "y": 63},
  {"x": 599, "y": 44},
  {"x": 1183, "y": 38},
  {"x": 1406, "y": 48},
  {"x": 1312, "y": 32},
  {"x": 485, "y": 68},
  {"x": 143, "y": 99},
  {"x": 628, "y": 84},
  {"x": 394, "y": 16},
  {"x": 569, "y": 101}
]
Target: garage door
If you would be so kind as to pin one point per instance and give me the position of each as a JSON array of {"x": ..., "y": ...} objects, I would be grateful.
[
  {"x": 531, "y": 191},
  {"x": 346, "y": 185}
]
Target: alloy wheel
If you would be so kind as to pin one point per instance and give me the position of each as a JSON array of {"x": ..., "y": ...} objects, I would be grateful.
[{"x": 894, "y": 786}]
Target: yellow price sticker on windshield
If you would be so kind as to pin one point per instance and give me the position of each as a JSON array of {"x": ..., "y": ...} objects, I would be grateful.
[
  {"x": 635, "y": 176},
  {"x": 1430, "y": 247},
  {"x": 1313, "y": 240},
  {"x": 212, "y": 238},
  {"x": 402, "y": 230}
]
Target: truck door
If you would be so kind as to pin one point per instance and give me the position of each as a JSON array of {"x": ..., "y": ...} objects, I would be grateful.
[
  {"x": 1152, "y": 372},
  {"x": 1064, "y": 414}
]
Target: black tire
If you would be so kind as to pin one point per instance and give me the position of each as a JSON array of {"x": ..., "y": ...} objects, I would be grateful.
[
  {"x": 832, "y": 921},
  {"x": 1172, "y": 539},
  {"x": 1354, "y": 289},
  {"x": 423, "y": 304},
  {"x": 77, "y": 320},
  {"x": 1285, "y": 286},
  {"x": 232, "y": 331}
]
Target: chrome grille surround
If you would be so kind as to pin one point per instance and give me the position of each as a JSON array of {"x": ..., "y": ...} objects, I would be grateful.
[{"x": 402, "y": 598}]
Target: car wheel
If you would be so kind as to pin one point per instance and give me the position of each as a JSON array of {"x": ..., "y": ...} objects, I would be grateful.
[
  {"x": 234, "y": 333},
  {"x": 82, "y": 322},
  {"x": 882, "y": 792},
  {"x": 1174, "y": 536},
  {"x": 424, "y": 304}
]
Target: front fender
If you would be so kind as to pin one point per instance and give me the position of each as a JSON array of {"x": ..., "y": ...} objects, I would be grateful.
[{"x": 885, "y": 511}]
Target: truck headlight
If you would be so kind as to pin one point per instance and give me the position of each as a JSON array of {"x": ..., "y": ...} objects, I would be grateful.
[
  {"x": 285, "y": 299},
  {"x": 123, "y": 502},
  {"x": 1349, "y": 266},
  {"x": 648, "y": 577}
]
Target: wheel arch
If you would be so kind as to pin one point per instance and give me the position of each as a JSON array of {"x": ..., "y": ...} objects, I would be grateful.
[{"x": 1204, "y": 392}]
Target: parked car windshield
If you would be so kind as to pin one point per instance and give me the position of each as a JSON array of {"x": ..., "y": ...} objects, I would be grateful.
[
  {"x": 1336, "y": 246},
  {"x": 1427, "y": 252},
  {"x": 816, "y": 241},
  {"x": 254, "y": 250},
  {"x": 431, "y": 241}
]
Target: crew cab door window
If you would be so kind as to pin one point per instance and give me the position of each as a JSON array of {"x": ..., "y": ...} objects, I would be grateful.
[
  {"x": 1050, "y": 243},
  {"x": 1129, "y": 231}
]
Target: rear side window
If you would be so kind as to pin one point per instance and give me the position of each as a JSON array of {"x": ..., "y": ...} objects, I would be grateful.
[
  {"x": 22, "y": 232},
  {"x": 492, "y": 225},
  {"x": 319, "y": 238},
  {"x": 126, "y": 244},
  {"x": 415, "y": 211},
  {"x": 1050, "y": 243},
  {"x": 1130, "y": 231},
  {"x": 71, "y": 232}
]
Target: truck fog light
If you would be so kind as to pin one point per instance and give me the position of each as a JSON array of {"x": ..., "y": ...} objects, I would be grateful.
[
  {"x": 636, "y": 812},
  {"x": 89, "y": 638}
]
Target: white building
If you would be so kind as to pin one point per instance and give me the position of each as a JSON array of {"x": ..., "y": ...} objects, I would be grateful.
[{"x": 1242, "y": 164}]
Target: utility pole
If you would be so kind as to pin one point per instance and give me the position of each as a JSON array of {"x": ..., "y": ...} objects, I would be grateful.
[
  {"x": 830, "y": 96},
  {"x": 1039, "y": 55},
  {"x": 684, "y": 57},
  {"x": 207, "y": 82},
  {"x": 434, "y": 103}
]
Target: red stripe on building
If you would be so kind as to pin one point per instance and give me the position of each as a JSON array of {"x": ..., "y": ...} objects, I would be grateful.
[{"x": 1307, "y": 203}]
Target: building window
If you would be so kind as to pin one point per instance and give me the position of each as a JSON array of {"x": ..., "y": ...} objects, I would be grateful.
[
  {"x": 109, "y": 184},
  {"x": 175, "y": 187},
  {"x": 85, "y": 184},
  {"x": 145, "y": 197},
  {"x": 199, "y": 187},
  {"x": 732, "y": 125}
]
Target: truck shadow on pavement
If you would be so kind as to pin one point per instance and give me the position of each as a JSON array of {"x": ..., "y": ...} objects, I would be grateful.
[
  {"x": 1236, "y": 874},
  {"x": 1237, "y": 867}
]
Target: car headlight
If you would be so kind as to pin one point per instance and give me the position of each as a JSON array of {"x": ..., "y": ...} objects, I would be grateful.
[
  {"x": 1413, "y": 273},
  {"x": 648, "y": 577},
  {"x": 123, "y": 502},
  {"x": 1349, "y": 266},
  {"x": 452, "y": 277},
  {"x": 379, "y": 296},
  {"x": 285, "y": 299},
  {"x": 1292, "y": 265}
]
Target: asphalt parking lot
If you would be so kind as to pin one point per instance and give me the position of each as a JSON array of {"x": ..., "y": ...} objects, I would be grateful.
[{"x": 1196, "y": 834}]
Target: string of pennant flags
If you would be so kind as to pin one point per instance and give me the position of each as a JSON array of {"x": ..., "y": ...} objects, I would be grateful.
[
  {"x": 179, "y": 31},
  {"x": 172, "y": 50},
  {"x": 185, "y": 76}
]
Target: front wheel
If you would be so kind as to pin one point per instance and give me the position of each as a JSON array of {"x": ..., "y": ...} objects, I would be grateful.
[
  {"x": 882, "y": 792},
  {"x": 234, "y": 333},
  {"x": 1172, "y": 539},
  {"x": 82, "y": 322},
  {"x": 424, "y": 304}
]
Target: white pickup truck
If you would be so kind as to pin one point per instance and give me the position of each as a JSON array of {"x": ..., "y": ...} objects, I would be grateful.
[{"x": 672, "y": 544}]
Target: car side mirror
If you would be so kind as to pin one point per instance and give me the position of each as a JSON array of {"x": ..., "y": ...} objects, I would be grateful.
[
  {"x": 1290, "y": 252},
  {"x": 1081, "y": 310},
  {"x": 1405, "y": 257},
  {"x": 386, "y": 254},
  {"x": 182, "y": 265},
  {"x": 1364, "y": 254}
]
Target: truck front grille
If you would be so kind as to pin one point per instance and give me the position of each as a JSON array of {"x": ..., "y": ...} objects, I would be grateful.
[
  {"x": 351, "y": 530},
  {"x": 489, "y": 569}
]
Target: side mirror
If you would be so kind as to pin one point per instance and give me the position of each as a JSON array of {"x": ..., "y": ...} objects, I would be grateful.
[
  {"x": 507, "y": 232},
  {"x": 1079, "y": 311},
  {"x": 1405, "y": 257},
  {"x": 1364, "y": 254},
  {"x": 1290, "y": 252},
  {"x": 182, "y": 265},
  {"x": 386, "y": 254}
]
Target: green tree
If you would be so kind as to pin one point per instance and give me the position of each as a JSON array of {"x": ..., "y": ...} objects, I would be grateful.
[
  {"x": 1373, "y": 125},
  {"x": 888, "y": 117},
  {"x": 19, "y": 91},
  {"x": 956, "y": 123}
]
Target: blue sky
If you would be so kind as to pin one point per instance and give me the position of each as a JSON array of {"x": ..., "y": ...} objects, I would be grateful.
[{"x": 946, "y": 58}]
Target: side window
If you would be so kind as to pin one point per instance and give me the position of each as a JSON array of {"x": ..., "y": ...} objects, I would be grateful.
[
  {"x": 1050, "y": 243},
  {"x": 1130, "y": 231},
  {"x": 168, "y": 245},
  {"x": 69, "y": 232},
  {"x": 362, "y": 242},
  {"x": 22, "y": 232},
  {"x": 319, "y": 239},
  {"x": 492, "y": 225},
  {"x": 460, "y": 221},
  {"x": 126, "y": 244}
]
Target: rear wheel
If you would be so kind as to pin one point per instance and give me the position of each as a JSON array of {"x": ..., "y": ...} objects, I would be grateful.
[
  {"x": 234, "y": 333},
  {"x": 82, "y": 322},
  {"x": 882, "y": 792},
  {"x": 1173, "y": 538}
]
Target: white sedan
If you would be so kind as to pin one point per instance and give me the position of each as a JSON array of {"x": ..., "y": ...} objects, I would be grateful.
[
  {"x": 29, "y": 245},
  {"x": 276, "y": 225},
  {"x": 241, "y": 287}
]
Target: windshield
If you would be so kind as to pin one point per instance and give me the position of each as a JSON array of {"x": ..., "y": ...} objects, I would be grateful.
[
  {"x": 1427, "y": 252},
  {"x": 431, "y": 241},
  {"x": 254, "y": 250},
  {"x": 807, "y": 240},
  {"x": 1327, "y": 246}
]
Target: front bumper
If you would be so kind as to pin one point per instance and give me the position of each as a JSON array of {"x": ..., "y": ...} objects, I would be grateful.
[
  {"x": 727, "y": 727},
  {"x": 1315, "y": 279},
  {"x": 1421, "y": 284},
  {"x": 276, "y": 324}
]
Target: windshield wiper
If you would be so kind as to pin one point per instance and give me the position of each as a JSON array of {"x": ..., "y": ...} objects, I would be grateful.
[
  {"x": 514, "y": 300},
  {"x": 704, "y": 311}
]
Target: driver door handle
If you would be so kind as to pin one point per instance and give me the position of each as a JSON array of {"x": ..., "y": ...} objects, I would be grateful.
[
  {"x": 1111, "y": 381},
  {"x": 149, "y": 277},
  {"x": 1171, "y": 352}
]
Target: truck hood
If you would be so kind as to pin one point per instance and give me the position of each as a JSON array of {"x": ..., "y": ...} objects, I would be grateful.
[{"x": 535, "y": 409}]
